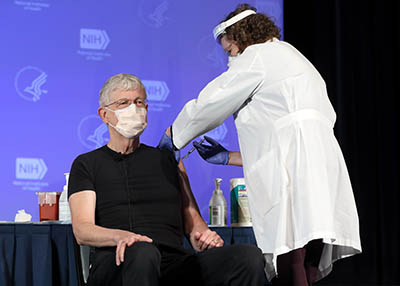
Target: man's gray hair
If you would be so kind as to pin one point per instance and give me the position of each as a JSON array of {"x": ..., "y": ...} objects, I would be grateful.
[{"x": 122, "y": 81}]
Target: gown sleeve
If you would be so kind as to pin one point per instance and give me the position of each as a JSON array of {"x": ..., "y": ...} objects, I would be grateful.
[{"x": 217, "y": 101}]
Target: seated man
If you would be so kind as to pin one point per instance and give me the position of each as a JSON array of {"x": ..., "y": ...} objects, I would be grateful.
[{"x": 133, "y": 203}]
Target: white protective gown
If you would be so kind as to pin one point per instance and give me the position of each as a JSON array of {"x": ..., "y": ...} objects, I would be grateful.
[{"x": 297, "y": 181}]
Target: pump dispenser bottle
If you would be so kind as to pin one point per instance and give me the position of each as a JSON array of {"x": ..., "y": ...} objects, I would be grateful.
[
  {"x": 217, "y": 206},
  {"x": 64, "y": 213}
]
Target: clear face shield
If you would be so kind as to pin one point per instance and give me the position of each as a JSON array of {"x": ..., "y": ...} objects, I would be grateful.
[
  {"x": 219, "y": 32},
  {"x": 225, "y": 56}
]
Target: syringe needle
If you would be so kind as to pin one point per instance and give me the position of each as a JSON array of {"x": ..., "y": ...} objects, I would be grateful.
[{"x": 191, "y": 150}]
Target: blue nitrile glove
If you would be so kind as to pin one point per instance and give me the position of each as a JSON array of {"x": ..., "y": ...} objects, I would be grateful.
[
  {"x": 166, "y": 144},
  {"x": 214, "y": 153}
]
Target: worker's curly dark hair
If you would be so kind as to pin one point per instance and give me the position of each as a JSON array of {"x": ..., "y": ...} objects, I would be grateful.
[{"x": 254, "y": 29}]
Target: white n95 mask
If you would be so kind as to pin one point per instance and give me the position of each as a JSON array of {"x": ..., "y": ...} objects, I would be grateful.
[
  {"x": 132, "y": 121},
  {"x": 231, "y": 59}
]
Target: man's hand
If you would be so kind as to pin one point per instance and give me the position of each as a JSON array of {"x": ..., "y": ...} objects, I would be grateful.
[
  {"x": 206, "y": 240},
  {"x": 125, "y": 238}
]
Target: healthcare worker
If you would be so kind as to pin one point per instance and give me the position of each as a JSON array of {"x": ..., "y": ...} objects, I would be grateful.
[{"x": 301, "y": 200}]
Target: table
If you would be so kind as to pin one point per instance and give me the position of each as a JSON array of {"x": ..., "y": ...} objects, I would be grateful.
[
  {"x": 38, "y": 254},
  {"x": 46, "y": 253}
]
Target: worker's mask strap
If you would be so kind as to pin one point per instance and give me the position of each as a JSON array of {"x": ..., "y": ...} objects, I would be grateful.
[{"x": 220, "y": 29}]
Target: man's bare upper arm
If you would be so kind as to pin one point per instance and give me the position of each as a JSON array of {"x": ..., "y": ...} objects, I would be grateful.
[
  {"x": 83, "y": 205},
  {"x": 189, "y": 202}
]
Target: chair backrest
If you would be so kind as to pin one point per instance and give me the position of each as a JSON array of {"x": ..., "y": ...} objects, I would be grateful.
[{"x": 85, "y": 253}]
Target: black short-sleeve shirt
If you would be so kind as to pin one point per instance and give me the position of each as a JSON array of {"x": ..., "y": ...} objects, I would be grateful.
[{"x": 138, "y": 192}]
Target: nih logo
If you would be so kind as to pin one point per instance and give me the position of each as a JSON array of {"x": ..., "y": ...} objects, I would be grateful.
[
  {"x": 94, "y": 39},
  {"x": 30, "y": 168},
  {"x": 156, "y": 90}
]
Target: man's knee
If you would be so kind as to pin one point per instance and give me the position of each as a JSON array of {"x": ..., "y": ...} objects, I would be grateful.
[
  {"x": 143, "y": 255},
  {"x": 251, "y": 257},
  {"x": 246, "y": 265},
  {"x": 141, "y": 265}
]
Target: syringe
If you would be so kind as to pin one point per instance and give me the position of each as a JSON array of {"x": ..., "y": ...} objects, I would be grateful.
[{"x": 191, "y": 150}]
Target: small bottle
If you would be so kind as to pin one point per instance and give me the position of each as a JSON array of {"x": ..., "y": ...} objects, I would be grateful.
[
  {"x": 217, "y": 206},
  {"x": 64, "y": 213}
]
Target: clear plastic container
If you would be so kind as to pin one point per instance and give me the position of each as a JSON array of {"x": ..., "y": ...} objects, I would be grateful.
[
  {"x": 217, "y": 206},
  {"x": 48, "y": 205},
  {"x": 64, "y": 212}
]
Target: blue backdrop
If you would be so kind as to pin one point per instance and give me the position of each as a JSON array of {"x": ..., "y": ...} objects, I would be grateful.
[{"x": 55, "y": 56}]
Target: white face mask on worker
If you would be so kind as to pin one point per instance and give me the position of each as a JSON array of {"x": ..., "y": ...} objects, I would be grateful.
[
  {"x": 231, "y": 59},
  {"x": 132, "y": 121}
]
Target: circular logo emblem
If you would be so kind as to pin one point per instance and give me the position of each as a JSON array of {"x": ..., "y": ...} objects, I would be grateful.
[
  {"x": 92, "y": 132},
  {"x": 29, "y": 83}
]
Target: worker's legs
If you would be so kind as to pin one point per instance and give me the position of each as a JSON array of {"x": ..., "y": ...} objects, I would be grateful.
[{"x": 299, "y": 267}]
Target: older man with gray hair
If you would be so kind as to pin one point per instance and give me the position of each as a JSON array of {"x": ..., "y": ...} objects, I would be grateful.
[{"x": 133, "y": 204}]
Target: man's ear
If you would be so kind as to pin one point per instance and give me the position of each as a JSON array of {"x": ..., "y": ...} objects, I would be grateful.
[
  {"x": 102, "y": 113},
  {"x": 147, "y": 109}
]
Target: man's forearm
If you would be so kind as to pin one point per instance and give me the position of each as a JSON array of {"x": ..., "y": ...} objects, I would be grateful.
[
  {"x": 93, "y": 235},
  {"x": 193, "y": 222},
  {"x": 201, "y": 237},
  {"x": 191, "y": 213}
]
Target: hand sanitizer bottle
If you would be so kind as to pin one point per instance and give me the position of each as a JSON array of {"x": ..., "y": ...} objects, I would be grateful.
[
  {"x": 64, "y": 213},
  {"x": 217, "y": 206}
]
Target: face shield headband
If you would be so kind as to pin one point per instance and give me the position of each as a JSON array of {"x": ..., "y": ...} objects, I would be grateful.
[{"x": 220, "y": 29}]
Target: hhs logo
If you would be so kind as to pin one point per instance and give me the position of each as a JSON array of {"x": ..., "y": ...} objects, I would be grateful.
[
  {"x": 153, "y": 12},
  {"x": 156, "y": 90},
  {"x": 94, "y": 39},
  {"x": 92, "y": 132},
  {"x": 30, "y": 168},
  {"x": 28, "y": 83},
  {"x": 212, "y": 53}
]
